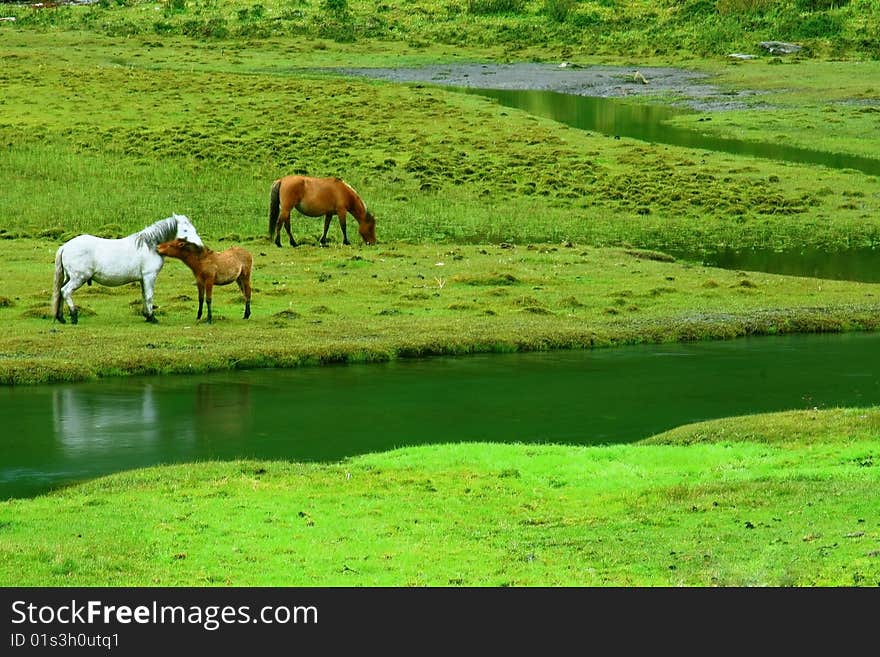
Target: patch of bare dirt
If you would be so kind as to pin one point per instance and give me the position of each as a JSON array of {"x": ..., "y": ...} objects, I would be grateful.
[{"x": 682, "y": 87}]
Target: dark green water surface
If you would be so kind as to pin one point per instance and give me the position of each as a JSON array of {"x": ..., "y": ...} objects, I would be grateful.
[
  {"x": 649, "y": 123},
  {"x": 850, "y": 265},
  {"x": 66, "y": 433}
]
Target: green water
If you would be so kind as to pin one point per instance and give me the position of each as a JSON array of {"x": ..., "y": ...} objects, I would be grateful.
[
  {"x": 649, "y": 123},
  {"x": 849, "y": 265},
  {"x": 67, "y": 433}
]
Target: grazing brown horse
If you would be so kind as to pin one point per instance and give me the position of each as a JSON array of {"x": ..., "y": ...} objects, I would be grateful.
[
  {"x": 212, "y": 268},
  {"x": 315, "y": 197}
]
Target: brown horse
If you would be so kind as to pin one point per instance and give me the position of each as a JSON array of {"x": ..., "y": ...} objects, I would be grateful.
[
  {"x": 212, "y": 268},
  {"x": 315, "y": 197}
]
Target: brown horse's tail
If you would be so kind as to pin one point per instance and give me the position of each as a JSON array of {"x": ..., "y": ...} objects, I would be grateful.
[
  {"x": 56, "y": 286},
  {"x": 274, "y": 206}
]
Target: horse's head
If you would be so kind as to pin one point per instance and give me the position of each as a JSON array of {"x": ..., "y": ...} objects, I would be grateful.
[
  {"x": 186, "y": 230},
  {"x": 367, "y": 228},
  {"x": 178, "y": 248},
  {"x": 173, "y": 248}
]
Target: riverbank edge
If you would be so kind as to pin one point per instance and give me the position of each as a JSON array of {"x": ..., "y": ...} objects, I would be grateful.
[
  {"x": 581, "y": 512},
  {"x": 690, "y": 328}
]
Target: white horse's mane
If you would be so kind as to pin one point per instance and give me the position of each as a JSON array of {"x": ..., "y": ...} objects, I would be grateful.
[{"x": 161, "y": 231}]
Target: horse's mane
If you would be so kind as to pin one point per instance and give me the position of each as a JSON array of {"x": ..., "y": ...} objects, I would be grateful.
[
  {"x": 161, "y": 231},
  {"x": 357, "y": 196}
]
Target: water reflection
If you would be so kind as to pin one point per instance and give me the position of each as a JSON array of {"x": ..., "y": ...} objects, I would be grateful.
[
  {"x": 610, "y": 117},
  {"x": 847, "y": 265},
  {"x": 223, "y": 408},
  {"x": 647, "y": 123},
  {"x": 86, "y": 423},
  {"x": 68, "y": 433}
]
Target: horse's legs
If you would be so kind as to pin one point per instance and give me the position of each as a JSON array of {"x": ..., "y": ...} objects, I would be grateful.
[
  {"x": 201, "y": 287},
  {"x": 244, "y": 284},
  {"x": 341, "y": 213},
  {"x": 287, "y": 228},
  {"x": 284, "y": 220},
  {"x": 59, "y": 311},
  {"x": 277, "y": 237},
  {"x": 148, "y": 283},
  {"x": 327, "y": 218},
  {"x": 209, "y": 287},
  {"x": 67, "y": 290}
]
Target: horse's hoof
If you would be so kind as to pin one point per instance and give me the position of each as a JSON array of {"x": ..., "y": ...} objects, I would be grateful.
[
  {"x": 60, "y": 319},
  {"x": 152, "y": 319}
]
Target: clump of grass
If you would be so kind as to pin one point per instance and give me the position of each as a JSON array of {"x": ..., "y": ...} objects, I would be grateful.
[
  {"x": 559, "y": 10},
  {"x": 493, "y": 278},
  {"x": 526, "y": 301},
  {"x": 647, "y": 254},
  {"x": 490, "y": 7},
  {"x": 288, "y": 315},
  {"x": 53, "y": 232}
]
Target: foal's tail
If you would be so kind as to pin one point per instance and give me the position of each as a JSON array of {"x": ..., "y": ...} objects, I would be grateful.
[
  {"x": 56, "y": 286},
  {"x": 274, "y": 206}
]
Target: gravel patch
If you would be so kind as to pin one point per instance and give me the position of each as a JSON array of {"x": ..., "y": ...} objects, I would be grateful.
[{"x": 682, "y": 87}]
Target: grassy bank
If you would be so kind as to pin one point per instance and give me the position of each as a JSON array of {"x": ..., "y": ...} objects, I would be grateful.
[
  {"x": 699, "y": 507},
  {"x": 316, "y": 305}
]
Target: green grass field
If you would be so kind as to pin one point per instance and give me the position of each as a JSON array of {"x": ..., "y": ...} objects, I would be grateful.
[{"x": 116, "y": 115}]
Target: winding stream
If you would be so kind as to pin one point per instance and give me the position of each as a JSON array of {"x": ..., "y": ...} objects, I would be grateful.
[
  {"x": 648, "y": 123},
  {"x": 71, "y": 432}
]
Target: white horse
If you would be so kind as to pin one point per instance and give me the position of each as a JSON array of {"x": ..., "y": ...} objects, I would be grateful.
[{"x": 88, "y": 258}]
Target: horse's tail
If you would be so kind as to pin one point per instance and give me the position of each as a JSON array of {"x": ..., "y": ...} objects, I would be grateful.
[
  {"x": 274, "y": 206},
  {"x": 58, "y": 282}
]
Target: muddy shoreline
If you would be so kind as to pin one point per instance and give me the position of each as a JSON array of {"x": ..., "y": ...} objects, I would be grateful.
[{"x": 670, "y": 85}]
